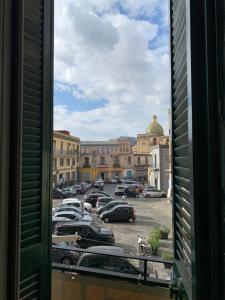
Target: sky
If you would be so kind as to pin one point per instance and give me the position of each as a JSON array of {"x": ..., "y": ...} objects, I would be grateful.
[{"x": 111, "y": 67}]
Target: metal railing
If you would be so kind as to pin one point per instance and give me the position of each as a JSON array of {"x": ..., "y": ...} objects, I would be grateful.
[{"x": 142, "y": 277}]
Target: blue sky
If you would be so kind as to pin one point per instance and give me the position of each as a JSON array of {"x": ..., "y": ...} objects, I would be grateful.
[{"x": 111, "y": 66}]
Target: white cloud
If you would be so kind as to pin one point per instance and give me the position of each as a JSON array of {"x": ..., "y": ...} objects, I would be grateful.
[{"x": 102, "y": 54}]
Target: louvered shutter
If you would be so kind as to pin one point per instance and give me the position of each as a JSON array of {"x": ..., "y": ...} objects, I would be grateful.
[
  {"x": 181, "y": 174},
  {"x": 197, "y": 210},
  {"x": 36, "y": 137}
]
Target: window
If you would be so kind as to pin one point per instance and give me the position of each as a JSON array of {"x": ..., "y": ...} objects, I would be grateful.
[
  {"x": 73, "y": 162},
  {"x": 86, "y": 161},
  {"x": 61, "y": 162},
  {"x": 139, "y": 160},
  {"x": 154, "y": 141},
  {"x": 146, "y": 160},
  {"x": 102, "y": 160},
  {"x": 67, "y": 161},
  {"x": 129, "y": 160}
]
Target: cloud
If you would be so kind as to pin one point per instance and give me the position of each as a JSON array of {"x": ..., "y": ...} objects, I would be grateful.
[{"x": 101, "y": 53}]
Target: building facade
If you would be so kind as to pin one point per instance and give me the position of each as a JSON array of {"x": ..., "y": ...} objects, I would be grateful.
[
  {"x": 66, "y": 154},
  {"x": 145, "y": 143},
  {"x": 106, "y": 159},
  {"x": 158, "y": 172}
]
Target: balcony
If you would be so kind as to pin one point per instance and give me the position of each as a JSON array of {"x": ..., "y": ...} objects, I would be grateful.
[
  {"x": 57, "y": 152},
  {"x": 116, "y": 165},
  {"x": 102, "y": 165},
  {"x": 83, "y": 283},
  {"x": 85, "y": 165}
]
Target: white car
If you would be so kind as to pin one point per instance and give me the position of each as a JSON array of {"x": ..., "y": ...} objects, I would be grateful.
[
  {"x": 99, "y": 183},
  {"x": 154, "y": 194},
  {"x": 77, "y": 203}
]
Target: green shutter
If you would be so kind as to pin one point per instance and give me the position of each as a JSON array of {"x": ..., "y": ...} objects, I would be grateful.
[
  {"x": 181, "y": 174},
  {"x": 35, "y": 264},
  {"x": 197, "y": 208}
]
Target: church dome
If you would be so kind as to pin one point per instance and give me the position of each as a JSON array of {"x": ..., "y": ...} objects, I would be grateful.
[{"x": 154, "y": 128}]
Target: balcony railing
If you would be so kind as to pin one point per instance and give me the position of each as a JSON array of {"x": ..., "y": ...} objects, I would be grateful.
[
  {"x": 86, "y": 165},
  {"x": 65, "y": 152},
  {"x": 116, "y": 165},
  {"x": 91, "y": 283}
]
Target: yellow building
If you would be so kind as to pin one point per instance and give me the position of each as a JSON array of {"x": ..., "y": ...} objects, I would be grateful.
[
  {"x": 145, "y": 142},
  {"x": 66, "y": 153},
  {"x": 154, "y": 136},
  {"x": 106, "y": 159}
]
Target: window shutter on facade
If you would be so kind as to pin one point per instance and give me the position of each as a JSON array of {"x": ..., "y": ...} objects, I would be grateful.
[
  {"x": 197, "y": 213},
  {"x": 32, "y": 124}
]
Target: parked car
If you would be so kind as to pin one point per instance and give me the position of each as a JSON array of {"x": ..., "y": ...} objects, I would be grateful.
[
  {"x": 79, "y": 188},
  {"x": 58, "y": 194},
  {"x": 131, "y": 192},
  {"x": 99, "y": 192},
  {"x": 99, "y": 184},
  {"x": 56, "y": 220},
  {"x": 119, "y": 190},
  {"x": 154, "y": 194},
  {"x": 70, "y": 191},
  {"x": 73, "y": 216},
  {"x": 119, "y": 213},
  {"x": 65, "y": 207},
  {"x": 102, "y": 201},
  {"x": 65, "y": 256},
  {"x": 92, "y": 199},
  {"x": 110, "y": 205},
  {"x": 108, "y": 263},
  {"x": 91, "y": 235},
  {"x": 77, "y": 203}
]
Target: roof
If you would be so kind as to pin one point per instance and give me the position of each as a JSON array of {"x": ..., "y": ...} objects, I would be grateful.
[
  {"x": 154, "y": 128},
  {"x": 106, "y": 249},
  {"x": 76, "y": 223},
  {"x": 98, "y": 143},
  {"x": 67, "y": 137}
]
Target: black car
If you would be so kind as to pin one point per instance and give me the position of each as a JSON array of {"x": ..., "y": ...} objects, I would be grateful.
[
  {"x": 92, "y": 198},
  {"x": 119, "y": 213},
  {"x": 65, "y": 256},
  {"x": 91, "y": 235},
  {"x": 108, "y": 263},
  {"x": 110, "y": 205},
  {"x": 58, "y": 194}
]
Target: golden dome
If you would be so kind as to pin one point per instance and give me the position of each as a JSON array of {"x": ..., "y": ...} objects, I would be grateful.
[{"x": 154, "y": 128}]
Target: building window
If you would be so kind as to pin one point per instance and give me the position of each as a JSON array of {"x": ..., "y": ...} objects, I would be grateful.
[
  {"x": 54, "y": 163},
  {"x": 68, "y": 162},
  {"x": 155, "y": 158},
  {"x": 68, "y": 148},
  {"x": 139, "y": 160},
  {"x": 86, "y": 161},
  {"x": 61, "y": 148},
  {"x": 146, "y": 160},
  {"x": 154, "y": 141},
  {"x": 61, "y": 162},
  {"x": 102, "y": 160},
  {"x": 73, "y": 162},
  {"x": 129, "y": 160},
  {"x": 167, "y": 141}
]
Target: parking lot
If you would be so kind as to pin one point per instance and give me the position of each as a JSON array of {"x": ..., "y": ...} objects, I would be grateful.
[{"x": 150, "y": 213}]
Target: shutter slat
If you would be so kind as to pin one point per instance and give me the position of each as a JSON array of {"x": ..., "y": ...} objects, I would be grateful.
[{"x": 180, "y": 143}]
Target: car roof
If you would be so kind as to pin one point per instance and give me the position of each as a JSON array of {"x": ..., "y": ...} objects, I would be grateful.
[
  {"x": 60, "y": 219},
  {"x": 72, "y": 223},
  {"x": 105, "y": 197},
  {"x": 67, "y": 200},
  {"x": 122, "y": 205},
  {"x": 107, "y": 249},
  {"x": 67, "y": 212}
]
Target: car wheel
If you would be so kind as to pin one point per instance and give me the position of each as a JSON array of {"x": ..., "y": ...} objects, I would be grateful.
[
  {"x": 67, "y": 261},
  {"x": 147, "y": 196},
  {"x": 106, "y": 220},
  {"x": 163, "y": 196},
  {"x": 131, "y": 220}
]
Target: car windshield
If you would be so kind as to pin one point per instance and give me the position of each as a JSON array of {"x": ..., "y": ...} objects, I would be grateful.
[{"x": 95, "y": 228}]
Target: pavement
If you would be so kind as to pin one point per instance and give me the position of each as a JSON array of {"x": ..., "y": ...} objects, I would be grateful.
[{"x": 150, "y": 213}]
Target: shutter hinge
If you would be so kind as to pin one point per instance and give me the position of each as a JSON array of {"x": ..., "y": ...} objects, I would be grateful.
[{"x": 177, "y": 289}]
